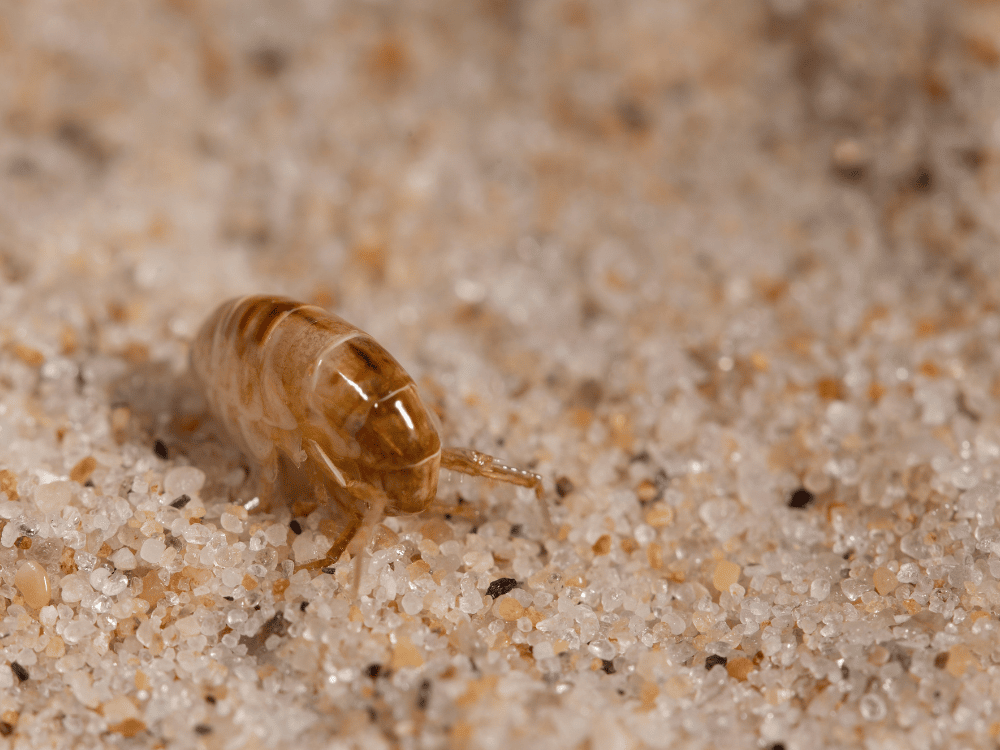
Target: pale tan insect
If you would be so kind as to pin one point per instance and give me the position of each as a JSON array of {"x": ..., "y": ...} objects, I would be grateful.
[{"x": 323, "y": 408}]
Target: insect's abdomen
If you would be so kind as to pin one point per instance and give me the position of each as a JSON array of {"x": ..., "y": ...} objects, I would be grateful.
[{"x": 252, "y": 355}]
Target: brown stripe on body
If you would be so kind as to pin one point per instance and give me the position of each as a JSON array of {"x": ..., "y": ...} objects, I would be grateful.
[
  {"x": 323, "y": 323},
  {"x": 374, "y": 363},
  {"x": 257, "y": 321},
  {"x": 249, "y": 313},
  {"x": 306, "y": 333},
  {"x": 303, "y": 314},
  {"x": 297, "y": 347},
  {"x": 372, "y": 367},
  {"x": 270, "y": 319}
]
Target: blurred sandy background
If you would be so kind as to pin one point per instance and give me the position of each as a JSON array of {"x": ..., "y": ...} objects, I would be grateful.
[
  {"x": 588, "y": 229},
  {"x": 378, "y": 154}
]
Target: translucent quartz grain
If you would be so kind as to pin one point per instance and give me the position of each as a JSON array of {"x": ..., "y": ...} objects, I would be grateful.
[
  {"x": 522, "y": 597},
  {"x": 675, "y": 622},
  {"x": 231, "y": 577},
  {"x": 183, "y": 480},
  {"x": 74, "y": 588},
  {"x": 77, "y": 630},
  {"x": 413, "y": 603},
  {"x": 602, "y": 649},
  {"x": 10, "y": 534},
  {"x": 543, "y": 650},
  {"x": 152, "y": 550},
  {"x": 542, "y": 599},
  {"x": 54, "y": 496},
  {"x": 123, "y": 559},
  {"x": 853, "y": 588},
  {"x": 115, "y": 584},
  {"x": 231, "y": 523},
  {"x": 819, "y": 589},
  {"x": 470, "y": 603},
  {"x": 33, "y": 583}
]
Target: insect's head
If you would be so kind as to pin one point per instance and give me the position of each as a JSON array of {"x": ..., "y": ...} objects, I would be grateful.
[
  {"x": 402, "y": 450},
  {"x": 371, "y": 406}
]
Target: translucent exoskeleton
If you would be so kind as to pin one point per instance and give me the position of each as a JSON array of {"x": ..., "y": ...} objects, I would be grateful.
[{"x": 325, "y": 410}]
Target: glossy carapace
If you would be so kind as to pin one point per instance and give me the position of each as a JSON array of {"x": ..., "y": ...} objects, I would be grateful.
[{"x": 324, "y": 409}]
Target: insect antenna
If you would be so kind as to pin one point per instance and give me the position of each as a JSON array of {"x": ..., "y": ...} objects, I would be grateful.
[{"x": 467, "y": 461}]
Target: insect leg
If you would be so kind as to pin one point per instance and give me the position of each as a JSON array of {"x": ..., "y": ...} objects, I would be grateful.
[
  {"x": 338, "y": 547},
  {"x": 478, "y": 464},
  {"x": 356, "y": 536},
  {"x": 309, "y": 483},
  {"x": 376, "y": 512}
]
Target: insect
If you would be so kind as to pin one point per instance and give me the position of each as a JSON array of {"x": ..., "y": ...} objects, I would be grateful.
[{"x": 323, "y": 408}]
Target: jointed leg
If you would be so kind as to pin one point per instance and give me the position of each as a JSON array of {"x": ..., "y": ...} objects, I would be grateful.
[
  {"x": 359, "y": 547},
  {"x": 338, "y": 547},
  {"x": 347, "y": 510},
  {"x": 362, "y": 514}
]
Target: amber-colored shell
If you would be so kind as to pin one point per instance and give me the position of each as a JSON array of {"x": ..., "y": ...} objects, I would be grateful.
[{"x": 322, "y": 407}]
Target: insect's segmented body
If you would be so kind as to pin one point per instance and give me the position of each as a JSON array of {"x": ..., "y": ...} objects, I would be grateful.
[
  {"x": 320, "y": 404},
  {"x": 289, "y": 378}
]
